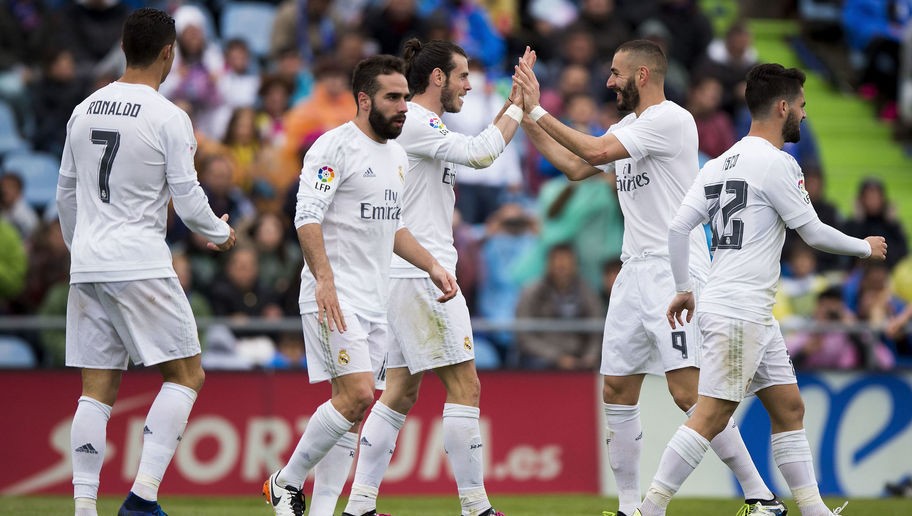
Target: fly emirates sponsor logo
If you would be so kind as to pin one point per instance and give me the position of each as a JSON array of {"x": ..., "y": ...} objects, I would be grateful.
[{"x": 388, "y": 211}]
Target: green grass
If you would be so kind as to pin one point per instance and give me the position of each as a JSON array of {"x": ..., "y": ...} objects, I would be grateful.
[{"x": 542, "y": 505}]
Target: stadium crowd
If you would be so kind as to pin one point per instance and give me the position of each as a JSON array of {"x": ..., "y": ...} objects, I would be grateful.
[{"x": 531, "y": 244}]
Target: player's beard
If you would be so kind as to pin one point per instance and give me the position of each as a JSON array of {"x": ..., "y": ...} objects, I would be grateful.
[
  {"x": 386, "y": 127},
  {"x": 449, "y": 98},
  {"x": 628, "y": 97},
  {"x": 791, "y": 131}
]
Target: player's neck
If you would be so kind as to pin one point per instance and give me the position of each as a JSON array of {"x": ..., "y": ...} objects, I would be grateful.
[
  {"x": 768, "y": 131},
  {"x": 147, "y": 76},
  {"x": 430, "y": 100},
  {"x": 649, "y": 98}
]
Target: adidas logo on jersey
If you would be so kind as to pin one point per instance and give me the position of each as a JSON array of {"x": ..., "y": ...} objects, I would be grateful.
[
  {"x": 87, "y": 448},
  {"x": 369, "y": 173},
  {"x": 365, "y": 442},
  {"x": 146, "y": 431}
]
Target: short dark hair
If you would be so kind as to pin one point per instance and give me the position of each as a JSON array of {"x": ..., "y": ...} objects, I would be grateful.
[
  {"x": 145, "y": 32},
  {"x": 833, "y": 292},
  {"x": 646, "y": 53},
  {"x": 366, "y": 72},
  {"x": 767, "y": 83},
  {"x": 420, "y": 61}
]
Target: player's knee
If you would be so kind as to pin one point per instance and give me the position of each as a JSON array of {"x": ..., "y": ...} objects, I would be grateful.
[
  {"x": 467, "y": 391},
  {"x": 683, "y": 399},
  {"x": 789, "y": 412},
  {"x": 615, "y": 394}
]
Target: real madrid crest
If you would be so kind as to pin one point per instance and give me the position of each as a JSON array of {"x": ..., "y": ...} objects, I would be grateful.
[
  {"x": 467, "y": 343},
  {"x": 344, "y": 359},
  {"x": 401, "y": 174}
]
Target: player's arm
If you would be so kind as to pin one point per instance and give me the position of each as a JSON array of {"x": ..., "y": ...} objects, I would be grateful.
[
  {"x": 314, "y": 198},
  {"x": 595, "y": 150},
  {"x": 477, "y": 151},
  {"x": 574, "y": 167},
  {"x": 190, "y": 202},
  {"x": 409, "y": 249},
  {"x": 829, "y": 239},
  {"x": 685, "y": 220},
  {"x": 66, "y": 191},
  {"x": 786, "y": 193}
]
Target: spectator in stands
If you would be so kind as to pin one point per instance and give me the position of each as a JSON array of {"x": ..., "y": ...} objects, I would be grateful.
[
  {"x": 510, "y": 234},
  {"x": 677, "y": 76},
  {"x": 871, "y": 296},
  {"x": 198, "y": 64},
  {"x": 312, "y": 28},
  {"x": 600, "y": 18},
  {"x": 833, "y": 347},
  {"x": 54, "y": 96},
  {"x": 482, "y": 191},
  {"x": 587, "y": 216},
  {"x": 290, "y": 66},
  {"x": 691, "y": 30},
  {"x": 800, "y": 284},
  {"x": 874, "y": 215},
  {"x": 275, "y": 98},
  {"x": 874, "y": 31},
  {"x": 289, "y": 352},
  {"x": 561, "y": 294},
  {"x": 279, "y": 259},
  {"x": 471, "y": 28},
  {"x": 23, "y": 38},
  {"x": 13, "y": 264},
  {"x": 90, "y": 29},
  {"x": 13, "y": 206},
  {"x": 242, "y": 142},
  {"x": 199, "y": 305},
  {"x": 48, "y": 265},
  {"x": 391, "y": 23},
  {"x": 238, "y": 293},
  {"x": 238, "y": 85},
  {"x": 216, "y": 173},
  {"x": 728, "y": 60},
  {"x": 715, "y": 130}
]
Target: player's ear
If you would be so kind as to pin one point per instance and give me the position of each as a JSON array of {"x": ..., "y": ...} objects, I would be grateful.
[
  {"x": 167, "y": 51},
  {"x": 364, "y": 101}
]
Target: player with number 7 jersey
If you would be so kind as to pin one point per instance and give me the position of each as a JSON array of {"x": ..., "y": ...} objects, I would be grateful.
[{"x": 130, "y": 151}]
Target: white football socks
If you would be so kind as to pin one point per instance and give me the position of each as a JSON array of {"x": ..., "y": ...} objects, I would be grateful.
[
  {"x": 730, "y": 447},
  {"x": 330, "y": 475},
  {"x": 684, "y": 452},
  {"x": 165, "y": 424},
  {"x": 792, "y": 454},
  {"x": 375, "y": 450},
  {"x": 625, "y": 445},
  {"x": 87, "y": 448},
  {"x": 462, "y": 443},
  {"x": 325, "y": 428}
]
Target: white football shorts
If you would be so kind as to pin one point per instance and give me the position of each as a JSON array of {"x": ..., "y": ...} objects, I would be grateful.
[
  {"x": 148, "y": 321},
  {"x": 427, "y": 334},
  {"x": 638, "y": 338},
  {"x": 361, "y": 349},
  {"x": 741, "y": 357}
]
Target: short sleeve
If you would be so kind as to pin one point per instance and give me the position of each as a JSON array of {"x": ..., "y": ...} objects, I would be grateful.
[
  {"x": 179, "y": 147},
  {"x": 785, "y": 192},
  {"x": 321, "y": 176},
  {"x": 656, "y": 133}
]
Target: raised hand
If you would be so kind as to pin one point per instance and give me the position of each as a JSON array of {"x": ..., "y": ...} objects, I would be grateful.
[{"x": 524, "y": 76}]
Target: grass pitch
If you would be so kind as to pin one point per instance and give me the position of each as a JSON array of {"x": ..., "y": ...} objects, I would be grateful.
[{"x": 544, "y": 505}]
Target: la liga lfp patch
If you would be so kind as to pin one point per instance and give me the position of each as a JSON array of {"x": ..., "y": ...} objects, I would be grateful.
[
  {"x": 804, "y": 192},
  {"x": 437, "y": 123},
  {"x": 325, "y": 177}
]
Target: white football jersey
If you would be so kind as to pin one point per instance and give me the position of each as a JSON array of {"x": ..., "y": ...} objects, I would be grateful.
[
  {"x": 352, "y": 186},
  {"x": 433, "y": 154},
  {"x": 749, "y": 195},
  {"x": 129, "y": 149},
  {"x": 662, "y": 143}
]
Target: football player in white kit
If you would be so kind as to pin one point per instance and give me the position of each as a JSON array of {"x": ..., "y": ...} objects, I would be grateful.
[
  {"x": 749, "y": 195},
  {"x": 349, "y": 222},
  {"x": 653, "y": 153},
  {"x": 128, "y": 152},
  {"x": 427, "y": 335}
]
